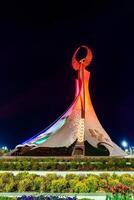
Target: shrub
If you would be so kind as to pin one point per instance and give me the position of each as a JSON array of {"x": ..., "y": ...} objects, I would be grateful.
[
  {"x": 102, "y": 184},
  {"x": 26, "y": 165},
  {"x": 37, "y": 184},
  {"x": 92, "y": 183},
  {"x": 113, "y": 182},
  {"x": 65, "y": 163},
  {"x": 35, "y": 166},
  {"x": 46, "y": 184},
  {"x": 7, "y": 182},
  {"x": 127, "y": 180},
  {"x": 105, "y": 176},
  {"x": 59, "y": 185},
  {"x": 25, "y": 185},
  {"x": 72, "y": 184},
  {"x": 81, "y": 187},
  {"x": 71, "y": 176},
  {"x": 19, "y": 165},
  {"x": 23, "y": 182}
]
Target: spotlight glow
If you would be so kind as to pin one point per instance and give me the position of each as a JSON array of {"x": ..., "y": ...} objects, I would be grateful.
[{"x": 124, "y": 144}]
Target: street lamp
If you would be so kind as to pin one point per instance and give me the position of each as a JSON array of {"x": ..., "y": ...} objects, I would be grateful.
[{"x": 124, "y": 144}]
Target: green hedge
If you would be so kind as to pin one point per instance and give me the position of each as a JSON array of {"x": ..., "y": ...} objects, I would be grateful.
[
  {"x": 7, "y": 198},
  {"x": 71, "y": 183},
  {"x": 63, "y": 164}
]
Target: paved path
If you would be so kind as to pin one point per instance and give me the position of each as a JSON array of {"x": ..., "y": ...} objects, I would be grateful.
[{"x": 64, "y": 173}]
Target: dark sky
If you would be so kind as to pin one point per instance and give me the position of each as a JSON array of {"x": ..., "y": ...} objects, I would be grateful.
[{"x": 37, "y": 41}]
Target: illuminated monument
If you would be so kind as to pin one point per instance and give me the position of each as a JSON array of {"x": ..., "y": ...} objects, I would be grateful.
[{"x": 78, "y": 131}]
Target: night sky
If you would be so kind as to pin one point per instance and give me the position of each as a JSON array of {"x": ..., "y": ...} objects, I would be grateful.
[{"x": 37, "y": 42}]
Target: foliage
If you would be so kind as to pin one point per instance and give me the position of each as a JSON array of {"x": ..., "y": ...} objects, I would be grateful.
[
  {"x": 7, "y": 182},
  {"x": 59, "y": 185},
  {"x": 92, "y": 182},
  {"x": 81, "y": 187},
  {"x": 25, "y": 182},
  {"x": 119, "y": 192},
  {"x": 7, "y": 198},
  {"x": 65, "y": 163},
  {"x": 127, "y": 180}
]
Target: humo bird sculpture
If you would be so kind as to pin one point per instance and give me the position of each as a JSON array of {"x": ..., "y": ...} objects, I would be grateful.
[{"x": 77, "y": 131}]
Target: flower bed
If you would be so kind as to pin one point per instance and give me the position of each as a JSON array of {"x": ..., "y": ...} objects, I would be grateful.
[
  {"x": 46, "y": 197},
  {"x": 71, "y": 183},
  {"x": 117, "y": 196},
  {"x": 67, "y": 164},
  {"x": 43, "y": 197}
]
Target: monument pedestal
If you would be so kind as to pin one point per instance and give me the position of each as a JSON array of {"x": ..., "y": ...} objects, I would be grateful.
[{"x": 79, "y": 149}]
